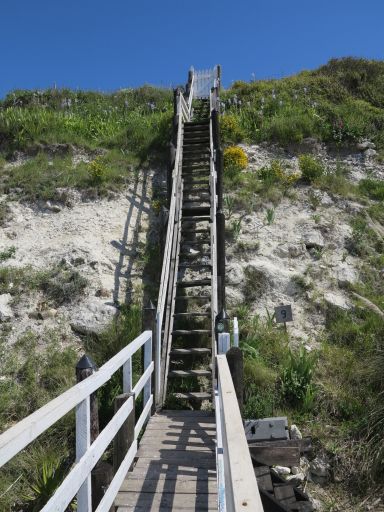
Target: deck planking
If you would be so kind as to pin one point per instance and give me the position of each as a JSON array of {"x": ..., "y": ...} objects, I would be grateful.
[{"x": 175, "y": 467}]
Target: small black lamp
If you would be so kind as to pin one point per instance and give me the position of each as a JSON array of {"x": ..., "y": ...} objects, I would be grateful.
[{"x": 221, "y": 323}]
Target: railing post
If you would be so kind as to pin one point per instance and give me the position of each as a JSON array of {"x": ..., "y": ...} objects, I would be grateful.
[
  {"x": 149, "y": 324},
  {"x": 147, "y": 361},
  {"x": 224, "y": 343},
  {"x": 235, "y": 332},
  {"x": 236, "y": 367},
  {"x": 87, "y": 429},
  {"x": 220, "y": 228},
  {"x": 126, "y": 434}
]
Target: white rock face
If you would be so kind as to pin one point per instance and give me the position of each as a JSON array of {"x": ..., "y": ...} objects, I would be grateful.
[
  {"x": 319, "y": 471},
  {"x": 281, "y": 470},
  {"x": 313, "y": 239},
  {"x": 337, "y": 300},
  {"x": 92, "y": 317},
  {"x": 6, "y": 312},
  {"x": 295, "y": 433}
]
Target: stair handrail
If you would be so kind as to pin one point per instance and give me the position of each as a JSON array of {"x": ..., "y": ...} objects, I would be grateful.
[
  {"x": 78, "y": 481},
  {"x": 176, "y": 175},
  {"x": 237, "y": 487}
]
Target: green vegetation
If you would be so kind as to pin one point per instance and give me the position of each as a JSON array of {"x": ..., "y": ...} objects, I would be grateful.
[
  {"x": 134, "y": 120},
  {"x": 235, "y": 160},
  {"x": 117, "y": 131},
  {"x": 338, "y": 103},
  {"x": 311, "y": 168},
  {"x": 7, "y": 254},
  {"x": 38, "y": 369}
]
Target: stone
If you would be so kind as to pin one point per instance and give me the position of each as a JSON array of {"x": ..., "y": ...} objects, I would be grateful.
[
  {"x": 79, "y": 260},
  {"x": 295, "y": 432},
  {"x": 6, "y": 312},
  {"x": 313, "y": 240},
  {"x": 290, "y": 250},
  {"x": 235, "y": 274},
  {"x": 53, "y": 207},
  {"x": 319, "y": 471},
  {"x": 47, "y": 313},
  {"x": 295, "y": 480},
  {"x": 369, "y": 153},
  {"x": 337, "y": 300},
  {"x": 281, "y": 470},
  {"x": 102, "y": 292},
  {"x": 92, "y": 316},
  {"x": 346, "y": 276},
  {"x": 364, "y": 145},
  {"x": 295, "y": 470}
]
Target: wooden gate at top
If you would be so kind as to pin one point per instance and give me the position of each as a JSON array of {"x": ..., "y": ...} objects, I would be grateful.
[{"x": 204, "y": 80}]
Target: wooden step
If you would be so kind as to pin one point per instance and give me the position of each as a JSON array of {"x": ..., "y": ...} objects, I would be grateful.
[
  {"x": 194, "y": 395},
  {"x": 203, "y": 298},
  {"x": 189, "y": 181},
  {"x": 196, "y": 200},
  {"x": 196, "y": 266},
  {"x": 193, "y": 211},
  {"x": 196, "y": 242},
  {"x": 190, "y": 351},
  {"x": 190, "y": 332},
  {"x": 191, "y": 314},
  {"x": 196, "y": 190},
  {"x": 196, "y": 218},
  {"x": 193, "y": 284},
  {"x": 196, "y": 255},
  {"x": 189, "y": 373},
  {"x": 194, "y": 231}
]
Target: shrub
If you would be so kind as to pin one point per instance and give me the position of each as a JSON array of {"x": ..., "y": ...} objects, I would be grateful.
[
  {"x": 372, "y": 188},
  {"x": 235, "y": 160},
  {"x": 97, "y": 170},
  {"x": 296, "y": 378},
  {"x": 311, "y": 168},
  {"x": 230, "y": 129},
  {"x": 62, "y": 286}
]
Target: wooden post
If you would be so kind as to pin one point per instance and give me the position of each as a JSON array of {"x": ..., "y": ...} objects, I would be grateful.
[
  {"x": 220, "y": 227},
  {"x": 126, "y": 434},
  {"x": 87, "y": 429},
  {"x": 164, "y": 215},
  {"x": 102, "y": 476},
  {"x": 84, "y": 368},
  {"x": 236, "y": 367},
  {"x": 149, "y": 324},
  {"x": 219, "y": 181}
]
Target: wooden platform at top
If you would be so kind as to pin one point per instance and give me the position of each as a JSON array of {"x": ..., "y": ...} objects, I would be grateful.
[{"x": 175, "y": 467}]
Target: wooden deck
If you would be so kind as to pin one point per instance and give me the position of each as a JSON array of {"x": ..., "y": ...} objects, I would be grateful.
[{"x": 176, "y": 465}]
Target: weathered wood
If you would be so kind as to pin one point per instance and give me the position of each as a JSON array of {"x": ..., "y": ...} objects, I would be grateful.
[
  {"x": 242, "y": 490},
  {"x": 167, "y": 501},
  {"x": 280, "y": 455},
  {"x": 102, "y": 476},
  {"x": 285, "y": 494},
  {"x": 84, "y": 369},
  {"x": 220, "y": 228},
  {"x": 304, "y": 445},
  {"x": 190, "y": 486},
  {"x": 270, "y": 503},
  {"x": 236, "y": 367},
  {"x": 126, "y": 434},
  {"x": 263, "y": 476}
]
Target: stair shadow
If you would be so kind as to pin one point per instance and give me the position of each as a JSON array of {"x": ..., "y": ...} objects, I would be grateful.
[{"x": 140, "y": 202}]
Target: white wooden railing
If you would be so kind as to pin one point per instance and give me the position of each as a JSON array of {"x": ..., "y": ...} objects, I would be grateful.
[
  {"x": 78, "y": 481},
  {"x": 236, "y": 482}
]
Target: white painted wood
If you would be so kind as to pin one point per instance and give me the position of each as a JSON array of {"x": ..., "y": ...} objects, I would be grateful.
[
  {"x": 219, "y": 456},
  {"x": 142, "y": 381},
  {"x": 235, "y": 332},
  {"x": 84, "y": 466},
  {"x": 83, "y": 442},
  {"x": 143, "y": 416},
  {"x": 147, "y": 363},
  {"x": 19, "y": 436},
  {"x": 157, "y": 359},
  {"x": 241, "y": 488},
  {"x": 110, "y": 494},
  {"x": 127, "y": 376},
  {"x": 224, "y": 342}
]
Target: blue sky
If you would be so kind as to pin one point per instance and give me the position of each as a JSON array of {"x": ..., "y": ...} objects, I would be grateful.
[{"x": 105, "y": 45}]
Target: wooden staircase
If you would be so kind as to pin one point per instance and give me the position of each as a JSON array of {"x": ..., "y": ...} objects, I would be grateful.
[{"x": 188, "y": 359}]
